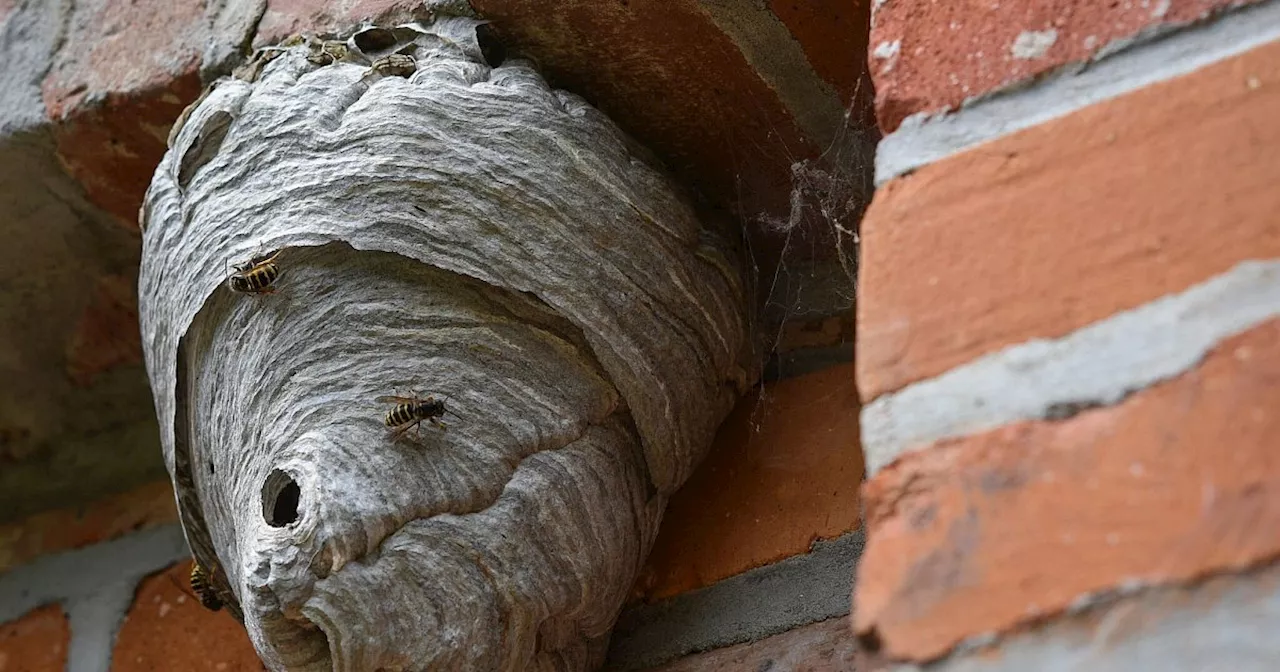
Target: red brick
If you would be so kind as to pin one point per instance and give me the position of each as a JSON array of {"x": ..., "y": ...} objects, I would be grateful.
[
  {"x": 982, "y": 534},
  {"x": 107, "y": 335},
  {"x": 950, "y": 51},
  {"x": 670, "y": 77},
  {"x": 37, "y": 642},
  {"x": 123, "y": 75},
  {"x": 783, "y": 472},
  {"x": 67, "y": 529},
  {"x": 1042, "y": 232},
  {"x": 1230, "y": 620},
  {"x": 826, "y": 646},
  {"x": 833, "y": 34},
  {"x": 167, "y": 629}
]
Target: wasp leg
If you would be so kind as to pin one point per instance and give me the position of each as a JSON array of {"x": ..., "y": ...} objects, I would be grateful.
[
  {"x": 439, "y": 424},
  {"x": 404, "y": 429}
]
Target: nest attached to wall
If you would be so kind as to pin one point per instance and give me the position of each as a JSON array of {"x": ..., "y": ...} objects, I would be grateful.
[{"x": 445, "y": 227}]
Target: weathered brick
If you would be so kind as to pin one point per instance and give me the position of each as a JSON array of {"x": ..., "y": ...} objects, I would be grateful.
[
  {"x": 931, "y": 56},
  {"x": 1042, "y": 232},
  {"x": 104, "y": 520},
  {"x": 1224, "y": 623},
  {"x": 167, "y": 629},
  {"x": 981, "y": 534},
  {"x": 123, "y": 74},
  {"x": 37, "y": 642},
  {"x": 826, "y": 646},
  {"x": 783, "y": 472},
  {"x": 283, "y": 18}
]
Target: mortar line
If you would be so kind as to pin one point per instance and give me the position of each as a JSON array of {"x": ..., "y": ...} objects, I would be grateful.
[
  {"x": 767, "y": 44},
  {"x": 750, "y": 606},
  {"x": 95, "y": 587},
  {"x": 1142, "y": 60},
  {"x": 1097, "y": 365}
]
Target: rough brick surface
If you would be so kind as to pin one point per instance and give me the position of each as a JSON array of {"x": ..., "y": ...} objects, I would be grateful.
[
  {"x": 784, "y": 471},
  {"x": 37, "y": 642},
  {"x": 167, "y": 629},
  {"x": 931, "y": 56},
  {"x": 123, "y": 74},
  {"x": 1225, "y": 623},
  {"x": 980, "y": 534},
  {"x": 283, "y": 18},
  {"x": 822, "y": 647},
  {"x": 65, "y": 529},
  {"x": 1042, "y": 232}
]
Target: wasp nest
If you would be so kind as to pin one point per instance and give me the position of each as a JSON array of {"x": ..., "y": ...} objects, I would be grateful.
[{"x": 393, "y": 215}]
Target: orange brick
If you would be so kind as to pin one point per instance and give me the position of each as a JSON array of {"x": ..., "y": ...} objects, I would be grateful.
[
  {"x": 783, "y": 472},
  {"x": 1223, "y": 623},
  {"x": 37, "y": 642},
  {"x": 981, "y": 534},
  {"x": 167, "y": 629},
  {"x": 66, "y": 529},
  {"x": 1042, "y": 232}
]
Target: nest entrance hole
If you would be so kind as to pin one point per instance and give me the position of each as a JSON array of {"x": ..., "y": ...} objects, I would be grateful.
[{"x": 280, "y": 498}]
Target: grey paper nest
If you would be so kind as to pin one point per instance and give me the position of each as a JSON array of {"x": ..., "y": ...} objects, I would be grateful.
[{"x": 465, "y": 232}]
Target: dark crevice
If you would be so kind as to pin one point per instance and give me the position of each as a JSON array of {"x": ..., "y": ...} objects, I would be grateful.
[
  {"x": 1063, "y": 410},
  {"x": 493, "y": 50},
  {"x": 280, "y": 498},
  {"x": 869, "y": 640}
]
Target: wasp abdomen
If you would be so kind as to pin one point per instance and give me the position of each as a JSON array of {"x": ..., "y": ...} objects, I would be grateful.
[
  {"x": 410, "y": 412},
  {"x": 401, "y": 414},
  {"x": 203, "y": 588},
  {"x": 256, "y": 276}
]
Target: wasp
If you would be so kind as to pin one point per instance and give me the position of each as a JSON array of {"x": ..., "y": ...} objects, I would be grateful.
[
  {"x": 256, "y": 275},
  {"x": 326, "y": 52},
  {"x": 397, "y": 65},
  {"x": 202, "y": 585},
  {"x": 250, "y": 71},
  {"x": 409, "y": 412}
]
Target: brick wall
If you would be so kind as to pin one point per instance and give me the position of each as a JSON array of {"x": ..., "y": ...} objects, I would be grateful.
[
  {"x": 756, "y": 107},
  {"x": 1068, "y": 322},
  {"x": 1069, "y": 337}
]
